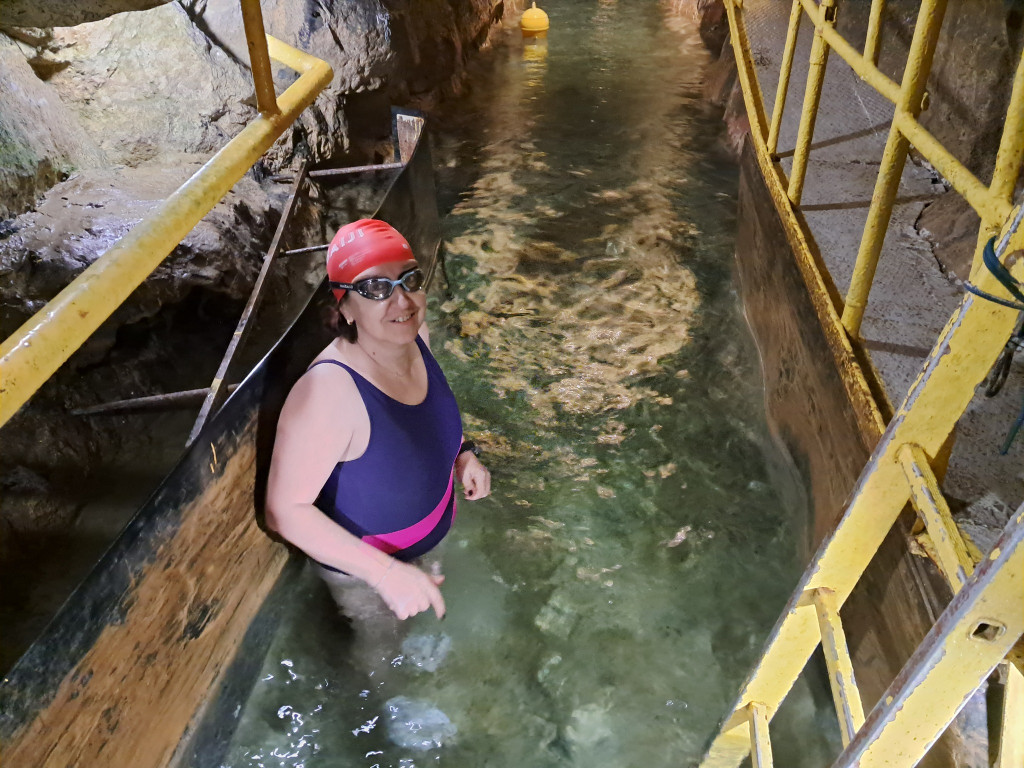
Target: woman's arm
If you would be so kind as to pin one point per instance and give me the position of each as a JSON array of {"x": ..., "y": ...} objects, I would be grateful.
[{"x": 323, "y": 422}]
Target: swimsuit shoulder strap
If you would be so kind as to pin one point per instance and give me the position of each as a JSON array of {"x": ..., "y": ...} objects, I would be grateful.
[
  {"x": 433, "y": 368},
  {"x": 332, "y": 362}
]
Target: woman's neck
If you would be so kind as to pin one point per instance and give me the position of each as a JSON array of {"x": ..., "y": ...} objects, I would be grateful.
[{"x": 398, "y": 360}]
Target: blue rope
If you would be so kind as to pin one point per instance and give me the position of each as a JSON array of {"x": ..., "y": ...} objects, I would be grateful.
[
  {"x": 1002, "y": 274},
  {"x": 1010, "y": 283},
  {"x": 1013, "y": 433}
]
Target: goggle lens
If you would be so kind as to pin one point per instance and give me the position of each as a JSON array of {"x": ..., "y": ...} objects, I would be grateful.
[{"x": 380, "y": 288}]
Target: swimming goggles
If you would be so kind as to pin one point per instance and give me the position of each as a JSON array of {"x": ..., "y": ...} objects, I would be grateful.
[{"x": 380, "y": 288}]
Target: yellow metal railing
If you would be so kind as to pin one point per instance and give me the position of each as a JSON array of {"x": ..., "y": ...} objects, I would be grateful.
[
  {"x": 991, "y": 202},
  {"x": 985, "y": 620},
  {"x": 987, "y": 610},
  {"x": 43, "y": 343}
]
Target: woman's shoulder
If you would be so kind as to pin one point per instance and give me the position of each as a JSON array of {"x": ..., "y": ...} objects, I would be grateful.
[{"x": 325, "y": 391}]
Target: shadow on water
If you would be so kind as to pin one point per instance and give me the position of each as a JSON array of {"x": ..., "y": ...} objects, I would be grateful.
[{"x": 606, "y": 600}]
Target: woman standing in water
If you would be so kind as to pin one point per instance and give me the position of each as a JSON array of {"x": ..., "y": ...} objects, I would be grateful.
[{"x": 369, "y": 442}]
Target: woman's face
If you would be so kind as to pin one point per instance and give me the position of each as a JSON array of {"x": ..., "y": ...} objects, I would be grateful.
[{"x": 397, "y": 318}]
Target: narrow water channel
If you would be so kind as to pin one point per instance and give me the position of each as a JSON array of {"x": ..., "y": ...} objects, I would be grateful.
[{"x": 605, "y": 603}]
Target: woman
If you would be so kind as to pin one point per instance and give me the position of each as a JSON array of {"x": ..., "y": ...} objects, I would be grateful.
[{"x": 370, "y": 439}]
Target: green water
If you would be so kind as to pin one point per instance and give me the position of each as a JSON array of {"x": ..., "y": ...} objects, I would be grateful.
[{"x": 606, "y": 601}]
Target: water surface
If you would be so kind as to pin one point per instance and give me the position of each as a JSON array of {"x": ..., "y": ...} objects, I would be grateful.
[{"x": 605, "y": 603}]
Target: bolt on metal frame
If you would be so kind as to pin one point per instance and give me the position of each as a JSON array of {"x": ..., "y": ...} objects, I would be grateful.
[
  {"x": 44, "y": 342},
  {"x": 978, "y": 630}
]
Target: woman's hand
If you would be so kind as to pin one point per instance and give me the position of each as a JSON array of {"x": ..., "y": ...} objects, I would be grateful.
[
  {"x": 475, "y": 479},
  {"x": 407, "y": 590}
]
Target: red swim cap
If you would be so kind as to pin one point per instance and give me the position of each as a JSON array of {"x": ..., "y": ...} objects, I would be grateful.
[{"x": 363, "y": 244}]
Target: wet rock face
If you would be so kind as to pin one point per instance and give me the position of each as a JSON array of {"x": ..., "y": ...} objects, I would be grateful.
[
  {"x": 132, "y": 87},
  {"x": 136, "y": 90},
  {"x": 60, "y": 13},
  {"x": 381, "y": 53},
  {"x": 41, "y": 140},
  {"x": 125, "y": 78},
  {"x": 82, "y": 217}
]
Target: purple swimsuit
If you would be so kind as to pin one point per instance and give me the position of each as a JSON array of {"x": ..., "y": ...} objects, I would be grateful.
[{"x": 399, "y": 496}]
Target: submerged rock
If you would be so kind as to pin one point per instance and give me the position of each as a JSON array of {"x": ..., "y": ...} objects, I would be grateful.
[
  {"x": 427, "y": 652},
  {"x": 417, "y": 724}
]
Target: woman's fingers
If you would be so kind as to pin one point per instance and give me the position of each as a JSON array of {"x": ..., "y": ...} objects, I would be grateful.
[
  {"x": 437, "y": 601},
  {"x": 477, "y": 482},
  {"x": 407, "y": 590}
]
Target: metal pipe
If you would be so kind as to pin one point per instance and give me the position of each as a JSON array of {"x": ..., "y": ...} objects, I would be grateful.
[
  {"x": 953, "y": 559},
  {"x": 826, "y": 17},
  {"x": 845, "y": 693},
  {"x": 980, "y": 197},
  {"x": 1008, "y": 162},
  {"x": 328, "y": 172},
  {"x": 1011, "y": 735},
  {"x": 873, "y": 40},
  {"x": 37, "y": 349},
  {"x": 259, "y": 57},
  {"x": 751, "y": 85},
  {"x": 795, "y": 14},
  {"x": 761, "y": 754},
  {"x": 216, "y": 393},
  {"x": 308, "y": 249},
  {"x": 972, "y": 636},
  {"x": 964, "y": 352},
  {"x": 165, "y": 402},
  {"x": 865, "y": 69},
  {"x": 915, "y": 77}
]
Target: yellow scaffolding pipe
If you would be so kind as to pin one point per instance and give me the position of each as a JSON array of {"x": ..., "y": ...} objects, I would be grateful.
[
  {"x": 1008, "y": 162},
  {"x": 785, "y": 72},
  {"x": 259, "y": 57},
  {"x": 866, "y": 407},
  {"x": 825, "y": 17},
  {"x": 37, "y": 349},
  {"x": 919, "y": 64},
  {"x": 865, "y": 69},
  {"x": 964, "y": 352},
  {"x": 992, "y": 203},
  {"x": 873, "y": 39}
]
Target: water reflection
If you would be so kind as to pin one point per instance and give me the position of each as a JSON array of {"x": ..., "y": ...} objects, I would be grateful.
[{"x": 605, "y": 602}]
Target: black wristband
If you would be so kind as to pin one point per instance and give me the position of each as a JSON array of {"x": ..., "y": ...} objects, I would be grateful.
[{"x": 469, "y": 445}]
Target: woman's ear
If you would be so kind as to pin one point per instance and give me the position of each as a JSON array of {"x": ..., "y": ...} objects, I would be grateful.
[{"x": 341, "y": 310}]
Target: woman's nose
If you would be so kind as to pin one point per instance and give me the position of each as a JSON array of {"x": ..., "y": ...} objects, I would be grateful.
[{"x": 402, "y": 297}]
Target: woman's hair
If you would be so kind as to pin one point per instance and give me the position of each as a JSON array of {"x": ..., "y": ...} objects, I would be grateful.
[{"x": 338, "y": 325}]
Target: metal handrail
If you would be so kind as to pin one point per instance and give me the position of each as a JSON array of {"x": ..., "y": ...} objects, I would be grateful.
[
  {"x": 43, "y": 343},
  {"x": 897, "y": 472},
  {"x": 992, "y": 202}
]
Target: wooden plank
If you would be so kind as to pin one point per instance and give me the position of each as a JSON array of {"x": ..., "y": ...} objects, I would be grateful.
[{"x": 130, "y": 698}]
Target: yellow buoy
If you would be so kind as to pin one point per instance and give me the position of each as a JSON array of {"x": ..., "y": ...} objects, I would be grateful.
[{"x": 534, "y": 22}]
